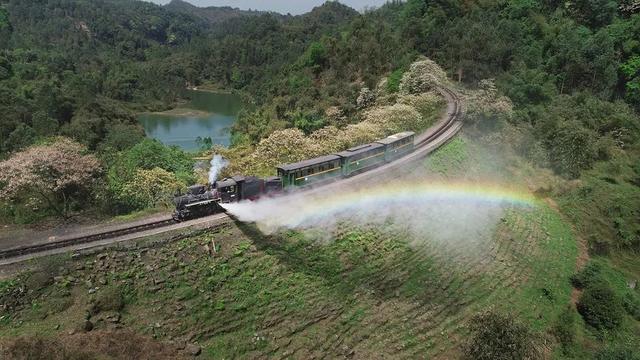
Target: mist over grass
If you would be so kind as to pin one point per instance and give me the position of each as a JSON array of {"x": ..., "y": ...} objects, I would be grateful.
[{"x": 418, "y": 200}]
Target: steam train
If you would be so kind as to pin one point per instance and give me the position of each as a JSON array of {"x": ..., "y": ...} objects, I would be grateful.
[{"x": 201, "y": 200}]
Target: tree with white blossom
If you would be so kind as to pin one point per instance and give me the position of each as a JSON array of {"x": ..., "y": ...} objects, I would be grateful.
[{"x": 55, "y": 175}]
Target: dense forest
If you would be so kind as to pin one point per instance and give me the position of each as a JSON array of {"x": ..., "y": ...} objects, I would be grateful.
[{"x": 73, "y": 74}]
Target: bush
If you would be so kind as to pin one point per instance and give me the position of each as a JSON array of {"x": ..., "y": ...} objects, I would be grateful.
[
  {"x": 618, "y": 353},
  {"x": 601, "y": 307},
  {"x": 145, "y": 175},
  {"x": 109, "y": 299},
  {"x": 393, "y": 82},
  {"x": 499, "y": 336},
  {"x": 587, "y": 276},
  {"x": 565, "y": 329},
  {"x": 631, "y": 304},
  {"x": 149, "y": 188}
]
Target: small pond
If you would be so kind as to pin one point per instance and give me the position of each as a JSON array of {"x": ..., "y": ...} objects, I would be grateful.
[{"x": 206, "y": 114}]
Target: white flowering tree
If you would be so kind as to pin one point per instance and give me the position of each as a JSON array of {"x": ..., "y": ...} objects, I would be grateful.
[
  {"x": 53, "y": 175},
  {"x": 422, "y": 76}
]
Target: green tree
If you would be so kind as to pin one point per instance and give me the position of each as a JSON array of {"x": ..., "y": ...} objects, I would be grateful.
[
  {"x": 497, "y": 336},
  {"x": 315, "y": 57},
  {"x": 631, "y": 72},
  {"x": 5, "y": 28},
  {"x": 43, "y": 125},
  {"x": 150, "y": 188},
  {"x": 594, "y": 13},
  {"x": 572, "y": 148},
  {"x": 601, "y": 307},
  {"x": 21, "y": 137}
]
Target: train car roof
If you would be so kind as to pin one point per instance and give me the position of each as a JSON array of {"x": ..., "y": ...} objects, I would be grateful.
[
  {"x": 395, "y": 137},
  {"x": 307, "y": 163},
  {"x": 359, "y": 149}
]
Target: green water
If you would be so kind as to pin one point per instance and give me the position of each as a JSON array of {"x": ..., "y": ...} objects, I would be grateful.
[{"x": 183, "y": 130}]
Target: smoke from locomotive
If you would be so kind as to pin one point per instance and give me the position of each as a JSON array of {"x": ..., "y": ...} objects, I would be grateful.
[{"x": 217, "y": 164}]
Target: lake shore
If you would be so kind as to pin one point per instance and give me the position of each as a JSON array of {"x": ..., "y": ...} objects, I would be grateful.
[{"x": 179, "y": 112}]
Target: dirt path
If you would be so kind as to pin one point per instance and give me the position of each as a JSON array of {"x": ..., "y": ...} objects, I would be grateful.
[{"x": 583, "y": 249}]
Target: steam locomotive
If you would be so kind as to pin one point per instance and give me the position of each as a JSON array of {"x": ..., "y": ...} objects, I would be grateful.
[{"x": 202, "y": 200}]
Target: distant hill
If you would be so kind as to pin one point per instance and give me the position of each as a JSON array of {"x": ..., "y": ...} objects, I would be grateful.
[
  {"x": 212, "y": 14},
  {"x": 331, "y": 12}
]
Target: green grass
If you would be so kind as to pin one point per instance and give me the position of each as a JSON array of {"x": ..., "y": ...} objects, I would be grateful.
[
  {"x": 260, "y": 293},
  {"x": 547, "y": 290},
  {"x": 449, "y": 158},
  {"x": 370, "y": 289},
  {"x": 604, "y": 206}
]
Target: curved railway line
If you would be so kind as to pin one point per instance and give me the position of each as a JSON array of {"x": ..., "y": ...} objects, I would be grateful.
[{"x": 425, "y": 143}]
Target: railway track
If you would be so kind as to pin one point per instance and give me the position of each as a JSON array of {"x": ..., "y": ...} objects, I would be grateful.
[
  {"x": 451, "y": 119},
  {"x": 425, "y": 143},
  {"x": 26, "y": 250}
]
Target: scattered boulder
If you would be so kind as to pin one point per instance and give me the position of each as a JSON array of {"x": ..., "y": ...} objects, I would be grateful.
[
  {"x": 87, "y": 326},
  {"x": 193, "y": 349}
]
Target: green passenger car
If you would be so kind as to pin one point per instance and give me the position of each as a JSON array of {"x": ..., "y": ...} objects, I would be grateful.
[
  {"x": 397, "y": 145},
  {"x": 310, "y": 171},
  {"x": 361, "y": 158}
]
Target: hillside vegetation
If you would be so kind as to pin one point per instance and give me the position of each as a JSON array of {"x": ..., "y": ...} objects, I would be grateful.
[
  {"x": 371, "y": 291},
  {"x": 552, "y": 86}
]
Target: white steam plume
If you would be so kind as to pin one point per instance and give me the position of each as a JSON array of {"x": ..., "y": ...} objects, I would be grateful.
[
  {"x": 217, "y": 164},
  {"x": 461, "y": 224}
]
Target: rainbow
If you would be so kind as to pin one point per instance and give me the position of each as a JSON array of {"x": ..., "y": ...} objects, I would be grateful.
[
  {"x": 300, "y": 208},
  {"x": 407, "y": 192}
]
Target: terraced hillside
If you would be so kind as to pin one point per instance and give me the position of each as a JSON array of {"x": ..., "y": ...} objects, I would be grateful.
[{"x": 373, "y": 291}]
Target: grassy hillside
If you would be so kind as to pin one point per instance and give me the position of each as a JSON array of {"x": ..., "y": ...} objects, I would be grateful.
[{"x": 370, "y": 291}]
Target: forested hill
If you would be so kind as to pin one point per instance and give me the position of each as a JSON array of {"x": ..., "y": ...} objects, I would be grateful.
[
  {"x": 67, "y": 66},
  {"x": 213, "y": 14},
  {"x": 77, "y": 67}
]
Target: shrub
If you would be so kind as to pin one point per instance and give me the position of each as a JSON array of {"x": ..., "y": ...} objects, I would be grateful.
[
  {"x": 149, "y": 188},
  {"x": 618, "y": 353},
  {"x": 601, "y": 307},
  {"x": 499, "y": 336},
  {"x": 393, "y": 82},
  {"x": 587, "y": 276},
  {"x": 145, "y": 175},
  {"x": 565, "y": 329},
  {"x": 631, "y": 304},
  {"x": 366, "y": 98},
  {"x": 109, "y": 299},
  {"x": 426, "y": 104}
]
